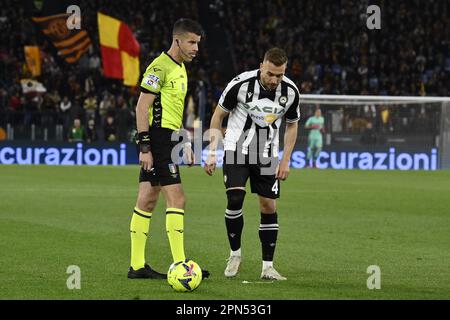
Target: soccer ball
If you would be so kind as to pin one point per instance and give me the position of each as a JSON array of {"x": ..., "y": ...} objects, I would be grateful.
[{"x": 184, "y": 276}]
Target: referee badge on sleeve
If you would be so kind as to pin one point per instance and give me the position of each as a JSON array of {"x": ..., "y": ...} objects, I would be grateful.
[{"x": 152, "y": 81}]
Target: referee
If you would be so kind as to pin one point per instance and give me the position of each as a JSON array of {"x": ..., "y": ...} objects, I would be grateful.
[{"x": 159, "y": 112}]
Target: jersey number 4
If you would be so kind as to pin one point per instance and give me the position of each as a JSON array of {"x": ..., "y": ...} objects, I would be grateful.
[{"x": 275, "y": 187}]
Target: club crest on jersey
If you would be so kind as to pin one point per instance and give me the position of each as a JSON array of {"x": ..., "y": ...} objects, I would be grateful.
[{"x": 283, "y": 100}]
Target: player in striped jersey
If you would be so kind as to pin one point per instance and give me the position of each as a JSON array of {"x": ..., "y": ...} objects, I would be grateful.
[{"x": 256, "y": 102}]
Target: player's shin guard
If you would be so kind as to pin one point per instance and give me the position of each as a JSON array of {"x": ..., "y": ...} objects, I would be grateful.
[
  {"x": 234, "y": 220},
  {"x": 268, "y": 232},
  {"x": 175, "y": 230},
  {"x": 140, "y": 224}
]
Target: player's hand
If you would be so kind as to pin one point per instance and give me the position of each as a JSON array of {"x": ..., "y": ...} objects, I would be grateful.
[
  {"x": 146, "y": 160},
  {"x": 210, "y": 164},
  {"x": 283, "y": 171},
  {"x": 189, "y": 154}
]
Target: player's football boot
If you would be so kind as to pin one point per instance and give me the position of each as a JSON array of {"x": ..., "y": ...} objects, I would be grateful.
[
  {"x": 145, "y": 273},
  {"x": 271, "y": 274},
  {"x": 232, "y": 266}
]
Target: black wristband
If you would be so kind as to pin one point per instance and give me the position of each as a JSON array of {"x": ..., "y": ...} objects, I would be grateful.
[{"x": 143, "y": 137}]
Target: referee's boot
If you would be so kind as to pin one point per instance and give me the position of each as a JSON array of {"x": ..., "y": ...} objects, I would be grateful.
[{"x": 145, "y": 273}]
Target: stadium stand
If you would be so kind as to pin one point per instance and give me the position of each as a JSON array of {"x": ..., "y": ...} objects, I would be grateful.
[{"x": 330, "y": 49}]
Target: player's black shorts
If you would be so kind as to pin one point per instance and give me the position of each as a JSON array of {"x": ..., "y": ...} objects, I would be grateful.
[
  {"x": 261, "y": 174},
  {"x": 164, "y": 172}
]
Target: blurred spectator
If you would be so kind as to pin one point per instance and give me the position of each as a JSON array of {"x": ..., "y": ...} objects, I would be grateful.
[
  {"x": 64, "y": 108},
  {"x": 32, "y": 106},
  {"x": 368, "y": 135},
  {"x": 94, "y": 62},
  {"x": 77, "y": 132},
  {"x": 48, "y": 111},
  {"x": 385, "y": 119},
  {"x": 14, "y": 109},
  {"x": 124, "y": 121},
  {"x": 90, "y": 107},
  {"x": 91, "y": 131},
  {"x": 105, "y": 106},
  {"x": 109, "y": 129}
]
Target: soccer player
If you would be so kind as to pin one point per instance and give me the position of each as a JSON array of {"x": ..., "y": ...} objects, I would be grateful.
[
  {"x": 256, "y": 101},
  {"x": 315, "y": 141},
  {"x": 159, "y": 112}
]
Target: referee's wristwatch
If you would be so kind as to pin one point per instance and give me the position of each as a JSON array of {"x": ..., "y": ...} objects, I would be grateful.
[{"x": 144, "y": 141}]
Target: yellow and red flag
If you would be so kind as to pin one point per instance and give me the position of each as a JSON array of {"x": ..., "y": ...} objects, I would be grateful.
[{"x": 120, "y": 50}]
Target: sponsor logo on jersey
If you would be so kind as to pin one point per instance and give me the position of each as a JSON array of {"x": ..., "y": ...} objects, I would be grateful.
[
  {"x": 267, "y": 109},
  {"x": 270, "y": 118}
]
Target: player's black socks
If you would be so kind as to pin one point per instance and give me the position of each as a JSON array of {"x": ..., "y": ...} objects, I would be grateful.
[
  {"x": 268, "y": 232},
  {"x": 234, "y": 220}
]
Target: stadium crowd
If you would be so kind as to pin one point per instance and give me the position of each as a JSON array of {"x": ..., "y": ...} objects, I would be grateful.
[
  {"x": 333, "y": 52},
  {"x": 330, "y": 48},
  {"x": 78, "y": 95}
]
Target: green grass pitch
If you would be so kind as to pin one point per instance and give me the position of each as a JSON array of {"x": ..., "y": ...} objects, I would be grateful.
[{"x": 333, "y": 225}]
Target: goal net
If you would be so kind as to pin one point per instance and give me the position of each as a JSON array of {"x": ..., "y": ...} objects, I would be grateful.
[{"x": 378, "y": 132}]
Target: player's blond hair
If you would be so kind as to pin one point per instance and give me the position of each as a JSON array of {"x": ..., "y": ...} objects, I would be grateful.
[{"x": 277, "y": 56}]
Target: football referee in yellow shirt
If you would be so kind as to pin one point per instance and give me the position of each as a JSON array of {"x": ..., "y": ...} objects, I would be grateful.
[{"x": 159, "y": 112}]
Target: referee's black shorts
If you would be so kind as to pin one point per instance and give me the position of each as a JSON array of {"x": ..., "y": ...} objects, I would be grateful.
[
  {"x": 262, "y": 174},
  {"x": 164, "y": 172}
]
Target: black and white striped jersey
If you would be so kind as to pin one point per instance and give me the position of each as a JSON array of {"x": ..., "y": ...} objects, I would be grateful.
[{"x": 256, "y": 113}]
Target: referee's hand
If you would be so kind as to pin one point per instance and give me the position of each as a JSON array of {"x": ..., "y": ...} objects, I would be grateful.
[
  {"x": 146, "y": 160},
  {"x": 210, "y": 164},
  {"x": 189, "y": 155}
]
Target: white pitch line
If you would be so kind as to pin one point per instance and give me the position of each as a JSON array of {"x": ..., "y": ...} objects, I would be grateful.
[{"x": 256, "y": 282}]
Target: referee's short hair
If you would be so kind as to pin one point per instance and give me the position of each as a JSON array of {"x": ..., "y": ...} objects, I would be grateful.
[
  {"x": 276, "y": 55},
  {"x": 184, "y": 25}
]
